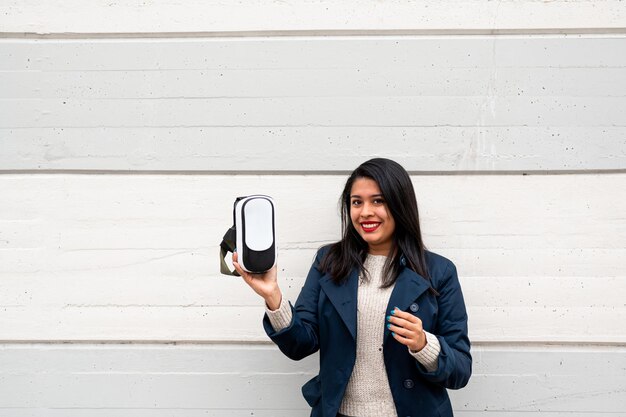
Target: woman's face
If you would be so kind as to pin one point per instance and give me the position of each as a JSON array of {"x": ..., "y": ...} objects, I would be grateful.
[{"x": 370, "y": 216}]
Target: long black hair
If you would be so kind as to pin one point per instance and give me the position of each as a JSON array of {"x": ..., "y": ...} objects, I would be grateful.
[{"x": 407, "y": 245}]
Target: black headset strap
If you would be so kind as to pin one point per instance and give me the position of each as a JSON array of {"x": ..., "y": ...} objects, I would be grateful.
[{"x": 228, "y": 245}]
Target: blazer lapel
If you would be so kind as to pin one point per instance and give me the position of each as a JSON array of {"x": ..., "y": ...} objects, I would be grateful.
[
  {"x": 344, "y": 298},
  {"x": 409, "y": 286}
]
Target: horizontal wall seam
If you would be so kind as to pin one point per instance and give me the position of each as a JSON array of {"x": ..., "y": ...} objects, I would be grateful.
[
  {"x": 319, "y": 33},
  {"x": 292, "y": 172}
]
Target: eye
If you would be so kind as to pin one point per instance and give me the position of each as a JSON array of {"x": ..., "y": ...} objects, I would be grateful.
[
  {"x": 355, "y": 203},
  {"x": 379, "y": 201}
]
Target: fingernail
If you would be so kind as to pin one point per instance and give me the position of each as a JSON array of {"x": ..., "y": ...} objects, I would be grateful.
[
  {"x": 393, "y": 334},
  {"x": 393, "y": 311},
  {"x": 388, "y": 318},
  {"x": 388, "y": 325}
]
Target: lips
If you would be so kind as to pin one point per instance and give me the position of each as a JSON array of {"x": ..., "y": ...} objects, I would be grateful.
[{"x": 370, "y": 227}]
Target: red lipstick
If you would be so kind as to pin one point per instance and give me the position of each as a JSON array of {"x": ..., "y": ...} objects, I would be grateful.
[{"x": 370, "y": 226}]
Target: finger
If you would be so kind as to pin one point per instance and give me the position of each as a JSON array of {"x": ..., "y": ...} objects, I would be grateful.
[
  {"x": 397, "y": 323},
  {"x": 240, "y": 270},
  {"x": 415, "y": 323},
  {"x": 408, "y": 333},
  {"x": 400, "y": 321},
  {"x": 401, "y": 339},
  {"x": 396, "y": 312},
  {"x": 236, "y": 264},
  {"x": 235, "y": 259}
]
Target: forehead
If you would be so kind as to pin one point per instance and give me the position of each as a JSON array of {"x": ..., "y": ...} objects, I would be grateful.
[{"x": 365, "y": 187}]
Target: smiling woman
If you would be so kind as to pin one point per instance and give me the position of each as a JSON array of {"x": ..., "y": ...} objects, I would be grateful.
[
  {"x": 370, "y": 216},
  {"x": 387, "y": 316}
]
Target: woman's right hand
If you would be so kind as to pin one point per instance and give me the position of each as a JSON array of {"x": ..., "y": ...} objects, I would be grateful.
[{"x": 265, "y": 284}]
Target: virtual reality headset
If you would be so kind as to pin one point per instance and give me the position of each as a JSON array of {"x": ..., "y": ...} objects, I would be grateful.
[{"x": 253, "y": 235}]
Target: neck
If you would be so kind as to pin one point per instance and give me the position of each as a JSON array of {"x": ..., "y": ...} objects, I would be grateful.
[{"x": 385, "y": 251}]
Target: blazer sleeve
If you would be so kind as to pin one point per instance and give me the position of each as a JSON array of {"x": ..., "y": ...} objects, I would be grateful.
[
  {"x": 454, "y": 366},
  {"x": 301, "y": 338}
]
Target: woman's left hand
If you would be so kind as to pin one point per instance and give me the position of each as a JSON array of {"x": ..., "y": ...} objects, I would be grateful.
[{"x": 407, "y": 329}]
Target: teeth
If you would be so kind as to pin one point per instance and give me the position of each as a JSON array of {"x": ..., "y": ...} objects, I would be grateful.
[{"x": 369, "y": 225}]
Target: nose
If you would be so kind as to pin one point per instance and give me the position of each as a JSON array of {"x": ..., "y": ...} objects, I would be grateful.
[{"x": 366, "y": 211}]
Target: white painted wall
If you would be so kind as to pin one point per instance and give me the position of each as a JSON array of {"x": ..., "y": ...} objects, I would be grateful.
[
  {"x": 127, "y": 129},
  {"x": 164, "y": 17}
]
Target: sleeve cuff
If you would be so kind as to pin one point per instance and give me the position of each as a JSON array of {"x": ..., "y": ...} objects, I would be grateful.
[
  {"x": 280, "y": 318},
  {"x": 429, "y": 355}
]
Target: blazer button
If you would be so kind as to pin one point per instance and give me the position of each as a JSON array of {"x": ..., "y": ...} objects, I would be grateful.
[
  {"x": 408, "y": 383},
  {"x": 414, "y": 307}
]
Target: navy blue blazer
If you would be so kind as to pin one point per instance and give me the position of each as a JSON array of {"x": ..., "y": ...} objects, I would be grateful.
[{"x": 325, "y": 319}]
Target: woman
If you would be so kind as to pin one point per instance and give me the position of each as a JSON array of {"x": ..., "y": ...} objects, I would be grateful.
[{"x": 387, "y": 316}]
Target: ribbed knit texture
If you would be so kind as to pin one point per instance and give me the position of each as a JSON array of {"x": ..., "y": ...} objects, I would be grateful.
[
  {"x": 280, "y": 318},
  {"x": 368, "y": 393},
  {"x": 429, "y": 355}
]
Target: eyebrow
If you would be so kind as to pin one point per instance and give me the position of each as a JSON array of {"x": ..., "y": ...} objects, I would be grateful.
[{"x": 373, "y": 195}]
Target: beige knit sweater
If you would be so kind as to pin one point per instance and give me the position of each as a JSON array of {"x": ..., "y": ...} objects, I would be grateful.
[{"x": 368, "y": 393}]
